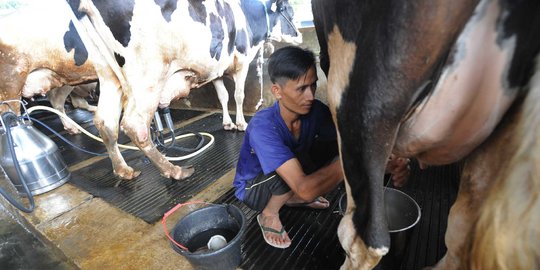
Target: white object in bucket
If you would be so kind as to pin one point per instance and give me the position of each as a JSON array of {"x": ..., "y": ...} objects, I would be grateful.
[{"x": 216, "y": 242}]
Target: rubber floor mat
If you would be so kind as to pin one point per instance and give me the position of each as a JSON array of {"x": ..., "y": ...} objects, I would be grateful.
[
  {"x": 150, "y": 195},
  {"x": 84, "y": 118},
  {"x": 315, "y": 244},
  {"x": 435, "y": 190}
]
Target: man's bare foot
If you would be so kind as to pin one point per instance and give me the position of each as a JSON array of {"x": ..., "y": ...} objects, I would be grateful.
[
  {"x": 273, "y": 232},
  {"x": 319, "y": 203}
]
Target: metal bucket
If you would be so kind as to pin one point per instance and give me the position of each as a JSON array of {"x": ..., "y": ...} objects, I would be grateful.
[
  {"x": 198, "y": 229},
  {"x": 38, "y": 156},
  {"x": 402, "y": 213}
]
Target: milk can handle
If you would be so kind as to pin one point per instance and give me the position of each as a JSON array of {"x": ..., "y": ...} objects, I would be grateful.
[{"x": 20, "y": 119}]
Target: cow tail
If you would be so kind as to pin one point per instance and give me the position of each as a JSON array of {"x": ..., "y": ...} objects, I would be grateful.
[{"x": 507, "y": 234}]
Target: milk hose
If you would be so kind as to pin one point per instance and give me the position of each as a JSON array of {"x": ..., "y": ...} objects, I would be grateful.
[
  {"x": 65, "y": 117},
  {"x": 6, "y": 120}
]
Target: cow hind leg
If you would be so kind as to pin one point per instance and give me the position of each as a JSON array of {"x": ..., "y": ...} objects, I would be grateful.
[
  {"x": 106, "y": 120},
  {"x": 507, "y": 235},
  {"x": 136, "y": 124},
  {"x": 482, "y": 167},
  {"x": 239, "y": 81},
  {"x": 57, "y": 98},
  {"x": 78, "y": 96},
  {"x": 223, "y": 96},
  {"x": 461, "y": 218},
  {"x": 81, "y": 103}
]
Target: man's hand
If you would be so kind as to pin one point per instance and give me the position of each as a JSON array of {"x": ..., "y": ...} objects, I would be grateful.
[{"x": 400, "y": 170}]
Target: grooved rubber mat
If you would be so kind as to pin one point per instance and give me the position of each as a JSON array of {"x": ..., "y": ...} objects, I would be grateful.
[
  {"x": 435, "y": 190},
  {"x": 315, "y": 244},
  {"x": 84, "y": 118},
  {"x": 150, "y": 195}
]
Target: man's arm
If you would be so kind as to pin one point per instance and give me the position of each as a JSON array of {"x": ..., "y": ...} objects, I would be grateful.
[{"x": 308, "y": 187}]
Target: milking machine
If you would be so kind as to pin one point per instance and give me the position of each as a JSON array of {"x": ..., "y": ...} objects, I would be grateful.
[
  {"x": 30, "y": 159},
  {"x": 159, "y": 137}
]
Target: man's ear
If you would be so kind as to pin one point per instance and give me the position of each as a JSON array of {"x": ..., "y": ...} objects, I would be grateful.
[{"x": 276, "y": 90}]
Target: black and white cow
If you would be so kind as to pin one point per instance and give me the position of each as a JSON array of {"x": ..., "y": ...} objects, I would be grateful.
[
  {"x": 147, "y": 53},
  {"x": 432, "y": 79},
  {"x": 37, "y": 53}
]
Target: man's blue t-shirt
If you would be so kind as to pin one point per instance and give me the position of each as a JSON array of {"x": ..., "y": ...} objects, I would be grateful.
[{"x": 268, "y": 143}]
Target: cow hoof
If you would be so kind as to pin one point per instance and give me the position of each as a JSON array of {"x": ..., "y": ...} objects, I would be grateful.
[
  {"x": 72, "y": 130},
  {"x": 180, "y": 173},
  {"x": 229, "y": 126},
  {"x": 127, "y": 173},
  {"x": 241, "y": 126},
  {"x": 92, "y": 108}
]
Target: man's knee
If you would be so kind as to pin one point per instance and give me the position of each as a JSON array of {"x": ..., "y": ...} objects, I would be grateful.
[{"x": 260, "y": 190}]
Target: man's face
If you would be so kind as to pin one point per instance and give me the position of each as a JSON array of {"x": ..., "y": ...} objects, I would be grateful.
[{"x": 297, "y": 95}]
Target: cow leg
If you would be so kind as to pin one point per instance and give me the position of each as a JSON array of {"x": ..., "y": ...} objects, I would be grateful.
[
  {"x": 240, "y": 81},
  {"x": 136, "y": 124},
  {"x": 81, "y": 103},
  {"x": 358, "y": 256},
  {"x": 463, "y": 213},
  {"x": 57, "y": 98},
  {"x": 507, "y": 234},
  {"x": 78, "y": 96},
  {"x": 223, "y": 96},
  {"x": 139, "y": 112},
  {"x": 106, "y": 120}
]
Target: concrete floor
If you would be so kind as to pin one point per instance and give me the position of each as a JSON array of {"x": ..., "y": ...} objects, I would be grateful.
[{"x": 93, "y": 234}]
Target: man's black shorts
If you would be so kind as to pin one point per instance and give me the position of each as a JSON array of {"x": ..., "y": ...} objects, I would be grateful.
[{"x": 261, "y": 188}]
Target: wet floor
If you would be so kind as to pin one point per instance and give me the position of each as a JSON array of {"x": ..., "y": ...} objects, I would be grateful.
[{"x": 21, "y": 249}]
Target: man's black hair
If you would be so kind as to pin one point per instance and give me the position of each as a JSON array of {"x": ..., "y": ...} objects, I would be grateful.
[{"x": 289, "y": 63}]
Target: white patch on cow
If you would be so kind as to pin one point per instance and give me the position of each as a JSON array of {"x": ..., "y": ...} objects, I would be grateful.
[
  {"x": 469, "y": 99},
  {"x": 359, "y": 256},
  {"x": 342, "y": 55}
]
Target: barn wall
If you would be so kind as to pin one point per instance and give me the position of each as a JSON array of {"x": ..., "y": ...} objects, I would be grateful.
[{"x": 206, "y": 98}]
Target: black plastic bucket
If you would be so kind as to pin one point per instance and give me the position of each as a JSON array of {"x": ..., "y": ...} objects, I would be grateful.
[
  {"x": 195, "y": 230},
  {"x": 402, "y": 213}
]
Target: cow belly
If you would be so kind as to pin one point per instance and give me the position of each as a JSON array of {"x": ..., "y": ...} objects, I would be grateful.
[{"x": 468, "y": 101}]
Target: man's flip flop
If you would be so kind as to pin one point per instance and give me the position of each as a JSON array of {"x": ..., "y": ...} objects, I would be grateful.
[
  {"x": 319, "y": 203},
  {"x": 270, "y": 230}
]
